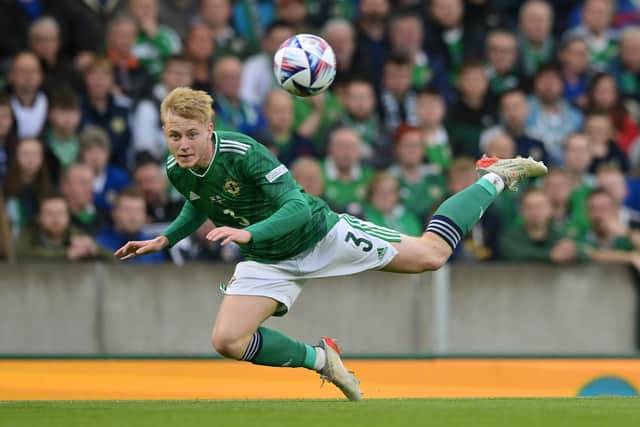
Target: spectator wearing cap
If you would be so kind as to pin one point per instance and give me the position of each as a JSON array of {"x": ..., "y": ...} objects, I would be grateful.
[{"x": 109, "y": 179}]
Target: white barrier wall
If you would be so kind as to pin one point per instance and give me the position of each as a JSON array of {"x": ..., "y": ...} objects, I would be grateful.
[{"x": 85, "y": 308}]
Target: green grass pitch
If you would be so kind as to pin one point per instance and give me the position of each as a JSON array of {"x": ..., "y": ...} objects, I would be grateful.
[{"x": 583, "y": 412}]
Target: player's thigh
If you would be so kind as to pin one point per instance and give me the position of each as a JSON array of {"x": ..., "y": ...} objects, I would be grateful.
[
  {"x": 241, "y": 315},
  {"x": 418, "y": 254}
]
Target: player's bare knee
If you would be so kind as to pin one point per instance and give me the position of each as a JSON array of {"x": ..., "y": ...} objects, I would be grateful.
[{"x": 227, "y": 345}]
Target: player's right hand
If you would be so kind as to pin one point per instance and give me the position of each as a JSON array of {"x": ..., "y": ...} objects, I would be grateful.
[{"x": 142, "y": 247}]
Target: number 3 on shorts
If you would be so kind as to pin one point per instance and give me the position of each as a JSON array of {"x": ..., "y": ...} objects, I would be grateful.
[{"x": 358, "y": 240}]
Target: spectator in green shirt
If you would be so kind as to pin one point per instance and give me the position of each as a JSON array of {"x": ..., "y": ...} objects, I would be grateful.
[
  {"x": 567, "y": 216},
  {"x": 431, "y": 109},
  {"x": 346, "y": 179},
  {"x": 384, "y": 207},
  {"x": 216, "y": 16},
  {"x": 536, "y": 239},
  {"x": 577, "y": 159},
  {"x": 61, "y": 138},
  {"x": 421, "y": 184},
  {"x": 360, "y": 114},
  {"x": 155, "y": 42},
  {"x": 609, "y": 241},
  {"x": 502, "y": 56}
]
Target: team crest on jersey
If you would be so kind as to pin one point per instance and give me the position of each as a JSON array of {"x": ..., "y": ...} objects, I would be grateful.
[{"x": 232, "y": 187}]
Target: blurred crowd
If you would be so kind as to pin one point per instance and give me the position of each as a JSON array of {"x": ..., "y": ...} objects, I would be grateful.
[{"x": 423, "y": 89}]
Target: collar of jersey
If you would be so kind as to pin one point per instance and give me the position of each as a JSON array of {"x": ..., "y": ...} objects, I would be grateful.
[{"x": 215, "y": 150}]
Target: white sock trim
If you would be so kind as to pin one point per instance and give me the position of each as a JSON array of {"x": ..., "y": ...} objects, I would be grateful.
[
  {"x": 321, "y": 359},
  {"x": 495, "y": 180}
]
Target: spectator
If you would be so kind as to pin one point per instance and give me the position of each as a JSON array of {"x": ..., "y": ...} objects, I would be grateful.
[
  {"x": 200, "y": 49},
  {"x": 472, "y": 112},
  {"x": 232, "y": 113},
  {"x": 626, "y": 67},
  {"x": 101, "y": 108},
  {"x": 609, "y": 241},
  {"x": 14, "y": 24},
  {"x": 501, "y": 145},
  {"x": 482, "y": 242},
  {"x": 383, "y": 207},
  {"x": 76, "y": 185},
  {"x": 603, "y": 97},
  {"x": 597, "y": 33},
  {"x": 279, "y": 134},
  {"x": 406, "y": 34},
  {"x": 397, "y": 99},
  {"x": 8, "y": 137},
  {"x": 551, "y": 118},
  {"x": 574, "y": 60},
  {"x": 109, "y": 179},
  {"x": 294, "y": 14},
  {"x": 578, "y": 158},
  {"x": 6, "y": 240},
  {"x": 502, "y": 67},
  {"x": 537, "y": 45},
  {"x": 84, "y": 25},
  {"x": 257, "y": 73},
  {"x": 421, "y": 185},
  {"x": 53, "y": 238},
  {"x": 146, "y": 124},
  {"x": 129, "y": 216},
  {"x": 449, "y": 39},
  {"x": 371, "y": 37},
  {"x": 431, "y": 110},
  {"x": 155, "y": 42},
  {"x": 61, "y": 137},
  {"x": 45, "y": 43},
  {"x": 604, "y": 150},
  {"x": 28, "y": 102},
  {"x": 345, "y": 178},
  {"x": 27, "y": 182},
  {"x": 514, "y": 109},
  {"x": 307, "y": 171},
  {"x": 178, "y": 15},
  {"x": 340, "y": 35},
  {"x": 151, "y": 180},
  {"x": 314, "y": 115},
  {"x": 216, "y": 16},
  {"x": 360, "y": 114},
  {"x": 569, "y": 211},
  {"x": 612, "y": 180},
  {"x": 536, "y": 239},
  {"x": 130, "y": 76}
]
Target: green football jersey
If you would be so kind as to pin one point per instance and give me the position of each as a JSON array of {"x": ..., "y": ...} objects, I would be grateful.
[{"x": 243, "y": 186}]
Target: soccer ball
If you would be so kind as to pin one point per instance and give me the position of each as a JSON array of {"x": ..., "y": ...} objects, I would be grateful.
[{"x": 304, "y": 65}]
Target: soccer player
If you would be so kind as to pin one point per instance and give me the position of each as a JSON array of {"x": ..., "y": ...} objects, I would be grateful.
[{"x": 288, "y": 236}]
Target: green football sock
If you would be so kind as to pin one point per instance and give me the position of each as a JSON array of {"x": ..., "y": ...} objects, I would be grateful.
[
  {"x": 459, "y": 213},
  {"x": 272, "y": 348}
]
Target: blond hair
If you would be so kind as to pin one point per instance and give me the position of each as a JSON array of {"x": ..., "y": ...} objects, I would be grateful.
[{"x": 188, "y": 104}]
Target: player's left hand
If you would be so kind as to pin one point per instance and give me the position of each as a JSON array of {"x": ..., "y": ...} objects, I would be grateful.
[{"x": 229, "y": 234}]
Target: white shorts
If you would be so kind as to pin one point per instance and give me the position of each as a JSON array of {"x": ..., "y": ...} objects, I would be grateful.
[{"x": 350, "y": 247}]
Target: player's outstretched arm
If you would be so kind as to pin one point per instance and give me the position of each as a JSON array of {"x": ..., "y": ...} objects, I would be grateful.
[{"x": 142, "y": 247}]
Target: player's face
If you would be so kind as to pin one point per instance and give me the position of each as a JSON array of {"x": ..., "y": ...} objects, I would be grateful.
[{"x": 189, "y": 140}]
